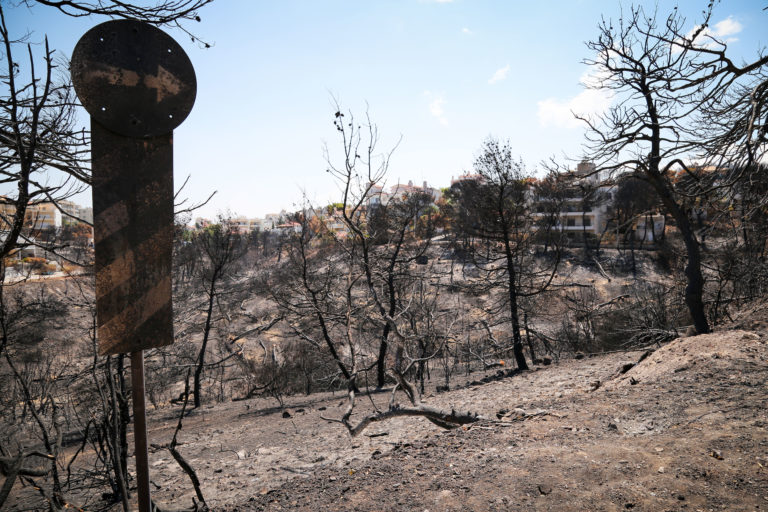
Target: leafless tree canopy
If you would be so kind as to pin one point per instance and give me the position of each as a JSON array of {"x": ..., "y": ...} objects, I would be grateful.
[
  {"x": 42, "y": 155},
  {"x": 165, "y": 12},
  {"x": 667, "y": 84}
]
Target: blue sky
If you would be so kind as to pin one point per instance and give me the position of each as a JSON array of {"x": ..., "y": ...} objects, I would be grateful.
[{"x": 441, "y": 74}]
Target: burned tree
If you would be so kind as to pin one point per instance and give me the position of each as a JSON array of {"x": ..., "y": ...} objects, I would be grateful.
[
  {"x": 219, "y": 247},
  {"x": 41, "y": 160},
  {"x": 161, "y": 13},
  {"x": 387, "y": 263},
  {"x": 314, "y": 289},
  {"x": 352, "y": 287},
  {"x": 665, "y": 81},
  {"x": 174, "y": 13},
  {"x": 42, "y": 153},
  {"x": 494, "y": 211},
  {"x": 381, "y": 230}
]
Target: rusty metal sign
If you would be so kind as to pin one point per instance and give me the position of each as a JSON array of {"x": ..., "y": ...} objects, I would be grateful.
[
  {"x": 133, "y": 78},
  {"x": 137, "y": 84},
  {"x": 133, "y": 233}
]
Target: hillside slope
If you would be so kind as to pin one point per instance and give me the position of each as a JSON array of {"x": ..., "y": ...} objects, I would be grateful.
[{"x": 685, "y": 429}]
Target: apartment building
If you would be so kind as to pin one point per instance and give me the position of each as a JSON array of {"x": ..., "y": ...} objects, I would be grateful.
[
  {"x": 246, "y": 225},
  {"x": 46, "y": 215},
  {"x": 378, "y": 196},
  {"x": 242, "y": 225},
  {"x": 650, "y": 228},
  {"x": 586, "y": 205},
  {"x": 40, "y": 216},
  {"x": 335, "y": 223},
  {"x": 271, "y": 220},
  {"x": 289, "y": 227},
  {"x": 6, "y": 212},
  {"x": 73, "y": 213}
]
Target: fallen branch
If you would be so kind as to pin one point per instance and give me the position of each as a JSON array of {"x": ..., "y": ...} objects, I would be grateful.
[
  {"x": 13, "y": 468},
  {"x": 614, "y": 300},
  {"x": 294, "y": 471},
  {"x": 259, "y": 330},
  {"x": 442, "y": 418},
  {"x": 600, "y": 268},
  {"x": 446, "y": 419},
  {"x": 521, "y": 415},
  {"x": 652, "y": 336}
]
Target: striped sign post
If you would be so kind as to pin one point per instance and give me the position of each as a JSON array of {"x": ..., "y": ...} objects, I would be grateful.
[{"x": 137, "y": 84}]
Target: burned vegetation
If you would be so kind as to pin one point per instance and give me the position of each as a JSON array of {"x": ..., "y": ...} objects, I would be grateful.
[{"x": 395, "y": 340}]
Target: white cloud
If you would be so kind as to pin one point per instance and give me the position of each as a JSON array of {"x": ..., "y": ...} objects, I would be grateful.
[
  {"x": 465, "y": 30},
  {"x": 436, "y": 108},
  {"x": 589, "y": 102},
  {"x": 500, "y": 74},
  {"x": 722, "y": 30},
  {"x": 436, "y": 104},
  {"x": 727, "y": 27}
]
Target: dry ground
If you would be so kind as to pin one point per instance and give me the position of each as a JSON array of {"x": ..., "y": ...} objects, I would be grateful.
[{"x": 686, "y": 429}]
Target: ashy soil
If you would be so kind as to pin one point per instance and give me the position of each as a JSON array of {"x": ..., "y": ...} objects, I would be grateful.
[{"x": 685, "y": 429}]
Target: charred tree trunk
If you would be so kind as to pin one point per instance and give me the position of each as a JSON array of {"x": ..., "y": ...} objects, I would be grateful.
[
  {"x": 391, "y": 300},
  {"x": 381, "y": 359},
  {"x": 517, "y": 344},
  {"x": 694, "y": 288},
  {"x": 528, "y": 338},
  {"x": 206, "y": 335}
]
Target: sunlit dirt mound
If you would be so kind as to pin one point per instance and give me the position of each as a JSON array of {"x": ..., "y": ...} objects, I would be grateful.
[{"x": 701, "y": 353}]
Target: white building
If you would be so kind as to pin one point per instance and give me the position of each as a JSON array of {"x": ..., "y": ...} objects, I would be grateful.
[
  {"x": 42, "y": 216},
  {"x": 587, "y": 202},
  {"x": 378, "y": 196},
  {"x": 73, "y": 213}
]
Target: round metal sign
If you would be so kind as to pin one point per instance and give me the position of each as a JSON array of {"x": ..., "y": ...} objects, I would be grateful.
[{"x": 133, "y": 78}]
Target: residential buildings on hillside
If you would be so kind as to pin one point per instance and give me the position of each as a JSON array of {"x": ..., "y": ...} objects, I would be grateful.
[
  {"x": 585, "y": 206},
  {"x": 246, "y": 225},
  {"x": 377, "y": 195},
  {"x": 333, "y": 219},
  {"x": 47, "y": 224},
  {"x": 74, "y": 214},
  {"x": 46, "y": 215}
]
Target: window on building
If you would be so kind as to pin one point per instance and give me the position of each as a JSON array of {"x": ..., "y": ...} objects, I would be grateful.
[
  {"x": 587, "y": 221},
  {"x": 570, "y": 222}
]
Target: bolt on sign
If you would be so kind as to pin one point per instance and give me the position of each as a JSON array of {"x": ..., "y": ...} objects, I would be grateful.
[{"x": 137, "y": 84}]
